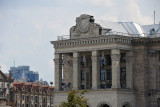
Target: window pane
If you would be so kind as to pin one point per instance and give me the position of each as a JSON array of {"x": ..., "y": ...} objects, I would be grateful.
[{"x": 103, "y": 75}]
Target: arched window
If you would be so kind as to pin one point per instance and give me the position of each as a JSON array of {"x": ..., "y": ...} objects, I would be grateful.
[
  {"x": 104, "y": 105},
  {"x": 126, "y": 105}
]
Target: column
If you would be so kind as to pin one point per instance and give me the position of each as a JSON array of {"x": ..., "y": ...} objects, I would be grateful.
[
  {"x": 95, "y": 70},
  {"x": 129, "y": 69},
  {"x": 76, "y": 81},
  {"x": 58, "y": 71},
  {"x": 115, "y": 55}
]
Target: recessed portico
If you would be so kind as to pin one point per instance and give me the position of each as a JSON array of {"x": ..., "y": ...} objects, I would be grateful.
[{"x": 96, "y": 69}]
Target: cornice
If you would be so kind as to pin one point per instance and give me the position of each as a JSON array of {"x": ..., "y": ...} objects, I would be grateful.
[
  {"x": 100, "y": 40},
  {"x": 146, "y": 41}
]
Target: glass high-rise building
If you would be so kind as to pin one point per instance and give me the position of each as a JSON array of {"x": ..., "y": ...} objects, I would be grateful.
[{"x": 24, "y": 72}]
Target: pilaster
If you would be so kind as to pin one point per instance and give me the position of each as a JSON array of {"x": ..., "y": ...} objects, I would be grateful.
[
  {"x": 76, "y": 78},
  {"x": 115, "y": 55},
  {"x": 129, "y": 69},
  {"x": 95, "y": 70},
  {"x": 58, "y": 71}
]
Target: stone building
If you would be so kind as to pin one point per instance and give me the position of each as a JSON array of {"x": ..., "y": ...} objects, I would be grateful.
[
  {"x": 118, "y": 62},
  {"x": 5, "y": 88},
  {"x": 32, "y": 95}
]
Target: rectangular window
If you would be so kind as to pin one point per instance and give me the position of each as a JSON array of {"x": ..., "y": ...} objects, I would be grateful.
[
  {"x": 109, "y": 78},
  {"x": 123, "y": 77},
  {"x": 108, "y": 60},
  {"x": 103, "y": 75},
  {"x": 109, "y": 75},
  {"x": 123, "y": 57},
  {"x": 82, "y": 75}
]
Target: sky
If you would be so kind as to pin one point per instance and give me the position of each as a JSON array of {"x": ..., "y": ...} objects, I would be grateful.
[{"x": 28, "y": 26}]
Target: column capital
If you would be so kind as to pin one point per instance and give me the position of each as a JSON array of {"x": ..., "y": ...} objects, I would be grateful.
[
  {"x": 57, "y": 61},
  {"x": 75, "y": 54},
  {"x": 57, "y": 55},
  {"x": 95, "y": 53},
  {"x": 115, "y": 57},
  {"x": 115, "y": 51}
]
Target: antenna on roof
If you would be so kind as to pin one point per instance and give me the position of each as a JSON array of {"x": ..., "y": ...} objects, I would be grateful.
[
  {"x": 154, "y": 17},
  {"x": 14, "y": 62}
]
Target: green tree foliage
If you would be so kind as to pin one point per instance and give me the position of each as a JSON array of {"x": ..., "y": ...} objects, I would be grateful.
[{"x": 75, "y": 99}]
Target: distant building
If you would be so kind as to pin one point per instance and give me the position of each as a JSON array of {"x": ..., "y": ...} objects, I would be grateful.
[
  {"x": 41, "y": 82},
  {"x": 32, "y": 95},
  {"x": 24, "y": 72},
  {"x": 5, "y": 88}
]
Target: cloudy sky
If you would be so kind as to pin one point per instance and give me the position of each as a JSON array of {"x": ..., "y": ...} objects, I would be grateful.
[{"x": 28, "y": 26}]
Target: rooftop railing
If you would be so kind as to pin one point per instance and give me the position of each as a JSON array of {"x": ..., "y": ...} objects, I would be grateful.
[{"x": 66, "y": 37}]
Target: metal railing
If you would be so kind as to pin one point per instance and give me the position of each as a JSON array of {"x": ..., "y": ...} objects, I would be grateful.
[{"x": 64, "y": 37}]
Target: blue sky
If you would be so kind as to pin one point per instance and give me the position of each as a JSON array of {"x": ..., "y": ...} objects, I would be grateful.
[{"x": 28, "y": 26}]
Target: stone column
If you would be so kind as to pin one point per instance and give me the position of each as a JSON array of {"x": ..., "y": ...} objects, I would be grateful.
[
  {"x": 76, "y": 81},
  {"x": 95, "y": 70},
  {"x": 58, "y": 71},
  {"x": 115, "y": 55},
  {"x": 129, "y": 69}
]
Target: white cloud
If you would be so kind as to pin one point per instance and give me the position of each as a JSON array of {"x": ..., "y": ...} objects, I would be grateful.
[
  {"x": 51, "y": 64},
  {"x": 105, "y": 3},
  {"x": 125, "y": 10},
  {"x": 3, "y": 68}
]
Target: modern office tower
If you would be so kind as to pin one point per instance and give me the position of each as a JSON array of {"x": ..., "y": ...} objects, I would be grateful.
[{"x": 24, "y": 73}]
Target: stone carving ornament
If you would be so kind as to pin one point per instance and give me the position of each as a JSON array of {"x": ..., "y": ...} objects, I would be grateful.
[
  {"x": 85, "y": 26},
  {"x": 84, "y": 23}
]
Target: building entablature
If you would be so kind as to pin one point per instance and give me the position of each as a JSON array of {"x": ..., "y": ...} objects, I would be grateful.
[
  {"x": 146, "y": 41},
  {"x": 100, "y": 40}
]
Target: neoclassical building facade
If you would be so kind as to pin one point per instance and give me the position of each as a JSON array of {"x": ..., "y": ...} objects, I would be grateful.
[{"x": 119, "y": 63}]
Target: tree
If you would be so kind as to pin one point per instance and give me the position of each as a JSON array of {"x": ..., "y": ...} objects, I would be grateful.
[{"x": 75, "y": 99}]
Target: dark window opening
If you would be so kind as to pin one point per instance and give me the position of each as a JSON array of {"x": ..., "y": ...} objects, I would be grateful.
[
  {"x": 108, "y": 60},
  {"x": 109, "y": 78},
  {"x": 123, "y": 77},
  {"x": 123, "y": 57},
  {"x": 82, "y": 87},
  {"x": 82, "y": 75}
]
